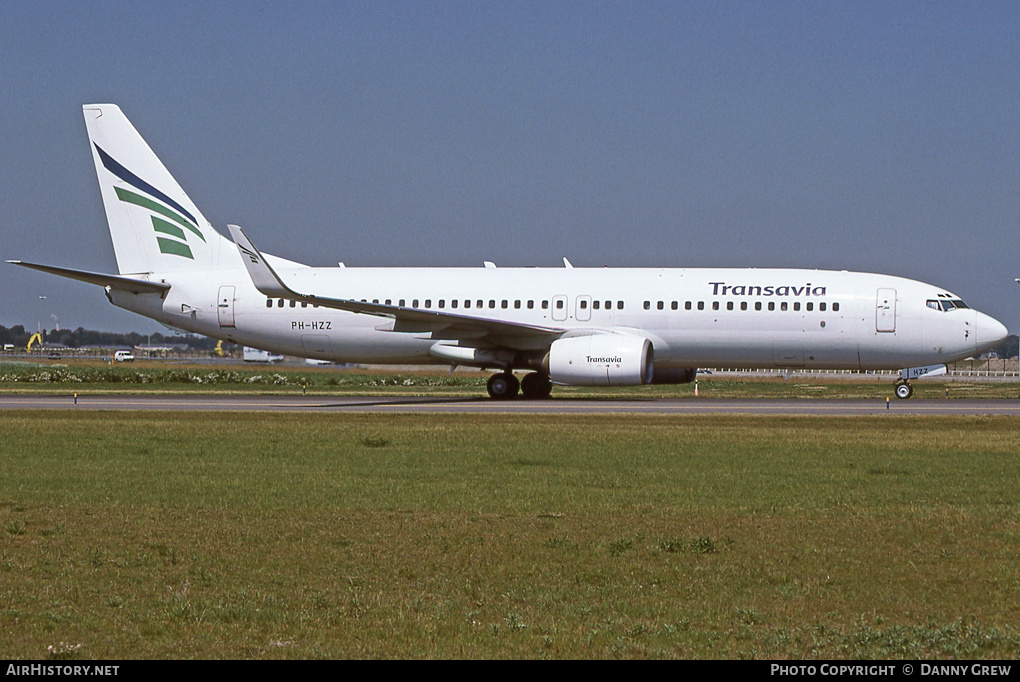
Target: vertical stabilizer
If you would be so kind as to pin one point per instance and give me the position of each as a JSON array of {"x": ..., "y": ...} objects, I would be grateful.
[{"x": 154, "y": 225}]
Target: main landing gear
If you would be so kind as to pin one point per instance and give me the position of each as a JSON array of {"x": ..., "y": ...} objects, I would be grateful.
[{"x": 504, "y": 386}]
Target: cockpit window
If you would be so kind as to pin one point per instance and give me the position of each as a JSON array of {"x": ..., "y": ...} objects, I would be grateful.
[{"x": 945, "y": 305}]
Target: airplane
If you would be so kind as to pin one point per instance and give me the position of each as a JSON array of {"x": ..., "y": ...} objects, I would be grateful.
[{"x": 562, "y": 326}]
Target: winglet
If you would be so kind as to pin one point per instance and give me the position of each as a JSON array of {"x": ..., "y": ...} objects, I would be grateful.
[{"x": 262, "y": 274}]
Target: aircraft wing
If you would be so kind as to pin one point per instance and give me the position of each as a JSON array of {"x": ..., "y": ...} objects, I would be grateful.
[
  {"x": 441, "y": 324},
  {"x": 134, "y": 286}
]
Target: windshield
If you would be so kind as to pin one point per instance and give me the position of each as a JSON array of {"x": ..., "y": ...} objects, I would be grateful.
[{"x": 945, "y": 304}]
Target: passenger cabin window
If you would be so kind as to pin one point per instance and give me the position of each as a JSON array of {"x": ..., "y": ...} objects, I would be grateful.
[
  {"x": 595, "y": 305},
  {"x": 835, "y": 307},
  {"x": 269, "y": 302},
  {"x": 701, "y": 305},
  {"x": 279, "y": 304}
]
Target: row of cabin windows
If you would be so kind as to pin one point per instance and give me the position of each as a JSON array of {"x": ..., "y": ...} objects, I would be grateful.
[
  {"x": 504, "y": 304},
  {"x": 583, "y": 304},
  {"x": 782, "y": 306},
  {"x": 293, "y": 304}
]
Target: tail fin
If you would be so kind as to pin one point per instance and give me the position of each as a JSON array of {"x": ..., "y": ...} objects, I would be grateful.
[{"x": 154, "y": 225}]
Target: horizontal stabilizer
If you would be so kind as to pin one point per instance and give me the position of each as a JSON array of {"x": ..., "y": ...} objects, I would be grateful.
[{"x": 134, "y": 286}]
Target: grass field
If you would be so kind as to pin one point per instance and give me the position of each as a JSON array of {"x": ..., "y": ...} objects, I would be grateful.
[
  {"x": 95, "y": 377},
  {"x": 134, "y": 535}
]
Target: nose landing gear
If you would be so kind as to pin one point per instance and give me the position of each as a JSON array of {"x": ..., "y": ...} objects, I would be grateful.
[{"x": 904, "y": 390}]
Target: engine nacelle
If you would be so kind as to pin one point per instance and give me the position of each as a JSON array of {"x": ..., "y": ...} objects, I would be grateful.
[
  {"x": 674, "y": 375},
  {"x": 601, "y": 360}
]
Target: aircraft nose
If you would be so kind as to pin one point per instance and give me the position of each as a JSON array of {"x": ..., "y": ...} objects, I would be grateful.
[{"x": 989, "y": 332}]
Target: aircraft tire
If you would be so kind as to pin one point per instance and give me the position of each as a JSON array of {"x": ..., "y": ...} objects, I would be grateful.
[
  {"x": 904, "y": 390},
  {"x": 503, "y": 386},
  {"x": 536, "y": 386}
]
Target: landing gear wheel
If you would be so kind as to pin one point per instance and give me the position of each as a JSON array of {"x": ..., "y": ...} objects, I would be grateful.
[
  {"x": 503, "y": 386},
  {"x": 536, "y": 386},
  {"x": 904, "y": 390}
]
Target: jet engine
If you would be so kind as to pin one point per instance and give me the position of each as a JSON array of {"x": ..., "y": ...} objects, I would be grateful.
[{"x": 601, "y": 360}]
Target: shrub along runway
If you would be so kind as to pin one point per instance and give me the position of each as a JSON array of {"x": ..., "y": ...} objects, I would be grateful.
[
  {"x": 188, "y": 534},
  {"x": 455, "y": 404}
]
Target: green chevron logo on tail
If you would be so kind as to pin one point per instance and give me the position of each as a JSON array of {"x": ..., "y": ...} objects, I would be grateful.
[{"x": 169, "y": 219}]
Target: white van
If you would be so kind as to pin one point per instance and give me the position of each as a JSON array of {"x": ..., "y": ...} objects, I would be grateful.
[{"x": 123, "y": 356}]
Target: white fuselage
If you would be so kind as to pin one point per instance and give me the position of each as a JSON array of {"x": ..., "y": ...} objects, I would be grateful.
[{"x": 760, "y": 318}]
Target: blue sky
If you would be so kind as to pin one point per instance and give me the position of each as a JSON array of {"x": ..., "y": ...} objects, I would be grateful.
[{"x": 868, "y": 136}]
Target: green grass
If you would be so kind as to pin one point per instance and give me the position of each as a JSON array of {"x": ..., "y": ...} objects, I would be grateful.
[
  {"x": 91, "y": 377},
  {"x": 300, "y": 536}
]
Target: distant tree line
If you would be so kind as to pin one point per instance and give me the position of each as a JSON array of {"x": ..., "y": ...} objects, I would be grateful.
[
  {"x": 1009, "y": 348},
  {"x": 82, "y": 337}
]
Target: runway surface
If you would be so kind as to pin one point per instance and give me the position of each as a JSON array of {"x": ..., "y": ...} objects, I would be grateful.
[{"x": 329, "y": 404}]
